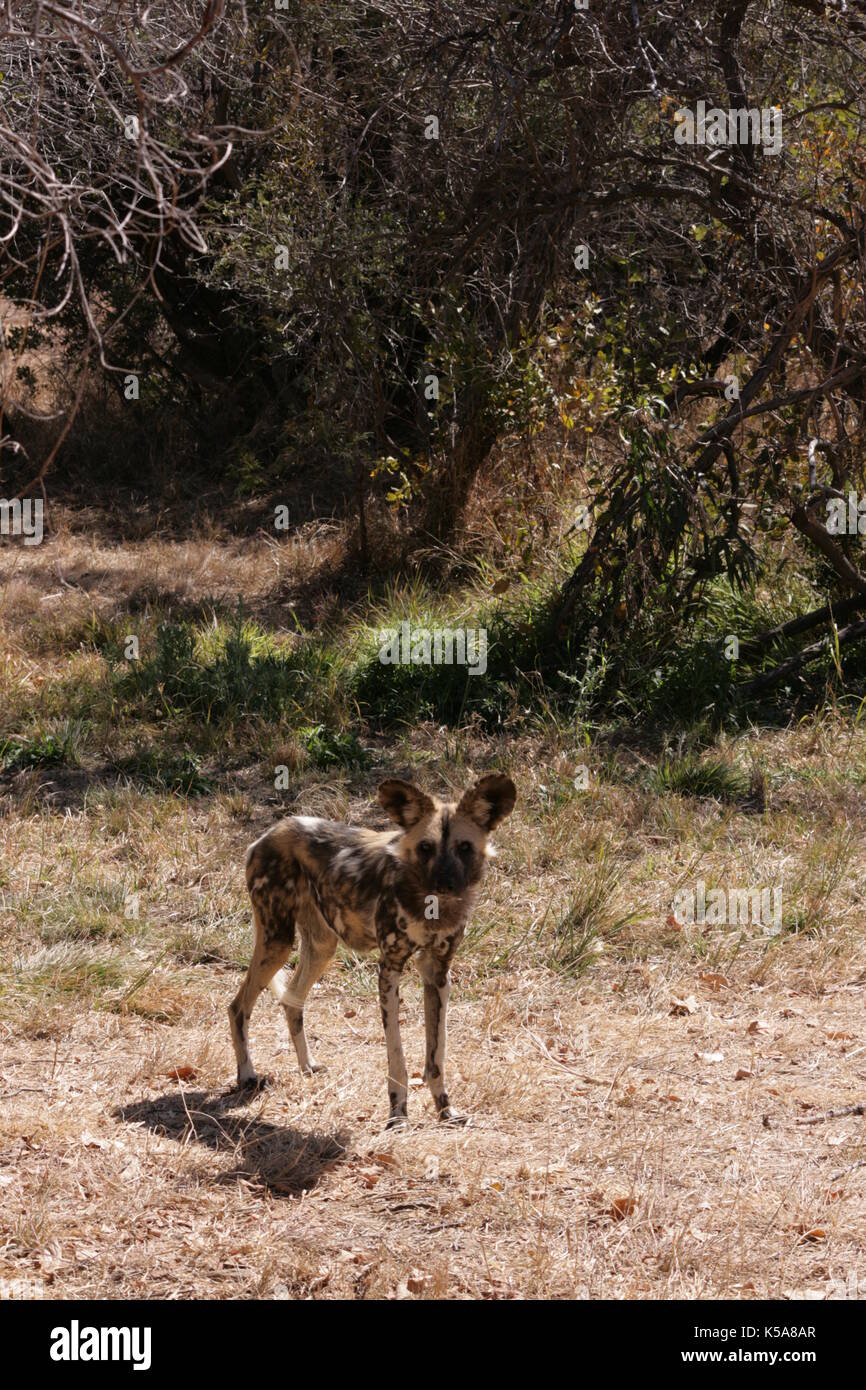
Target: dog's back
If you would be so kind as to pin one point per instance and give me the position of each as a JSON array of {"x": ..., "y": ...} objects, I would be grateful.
[{"x": 306, "y": 863}]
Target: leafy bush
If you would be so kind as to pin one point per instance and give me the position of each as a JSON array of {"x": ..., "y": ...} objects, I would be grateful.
[{"x": 333, "y": 748}]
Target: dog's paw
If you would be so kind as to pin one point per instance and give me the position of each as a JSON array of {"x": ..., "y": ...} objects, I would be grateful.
[
  {"x": 447, "y": 1116},
  {"x": 254, "y": 1083},
  {"x": 396, "y": 1121},
  {"x": 314, "y": 1067}
]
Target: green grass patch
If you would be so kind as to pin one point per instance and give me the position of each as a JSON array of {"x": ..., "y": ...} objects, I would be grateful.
[
  {"x": 484, "y": 661},
  {"x": 333, "y": 748},
  {"x": 592, "y": 921},
  {"x": 693, "y": 775},
  {"x": 50, "y": 747},
  {"x": 70, "y": 969},
  {"x": 208, "y": 673},
  {"x": 171, "y": 772}
]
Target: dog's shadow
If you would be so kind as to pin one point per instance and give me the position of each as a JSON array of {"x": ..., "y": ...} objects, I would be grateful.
[{"x": 288, "y": 1161}]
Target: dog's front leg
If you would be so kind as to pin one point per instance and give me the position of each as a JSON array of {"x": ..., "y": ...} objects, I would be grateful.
[
  {"x": 433, "y": 966},
  {"x": 398, "y": 1079}
]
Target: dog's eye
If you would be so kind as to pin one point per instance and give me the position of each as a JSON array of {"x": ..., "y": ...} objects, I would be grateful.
[
  {"x": 425, "y": 847},
  {"x": 464, "y": 847}
]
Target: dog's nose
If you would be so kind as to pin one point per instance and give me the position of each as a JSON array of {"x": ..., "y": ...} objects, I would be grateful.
[{"x": 446, "y": 880}]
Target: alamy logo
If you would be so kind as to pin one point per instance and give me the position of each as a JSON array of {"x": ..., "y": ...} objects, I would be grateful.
[
  {"x": 718, "y": 908},
  {"x": 743, "y": 126},
  {"x": 439, "y": 646},
  {"x": 76, "y": 1343},
  {"x": 25, "y": 1289},
  {"x": 846, "y": 518},
  {"x": 22, "y": 518}
]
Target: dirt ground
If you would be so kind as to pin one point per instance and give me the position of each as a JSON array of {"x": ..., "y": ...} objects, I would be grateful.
[{"x": 612, "y": 1151}]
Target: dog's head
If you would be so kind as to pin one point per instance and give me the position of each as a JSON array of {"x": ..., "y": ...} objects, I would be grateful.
[{"x": 444, "y": 844}]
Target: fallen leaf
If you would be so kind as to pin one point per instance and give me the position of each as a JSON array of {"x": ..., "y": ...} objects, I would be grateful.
[
  {"x": 182, "y": 1074},
  {"x": 683, "y": 1006},
  {"x": 756, "y": 1026},
  {"x": 813, "y": 1233},
  {"x": 491, "y": 1183},
  {"x": 417, "y": 1281},
  {"x": 743, "y": 1074},
  {"x": 714, "y": 981},
  {"x": 836, "y": 1035},
  {"x": 90, "y": 1141},
  {"x": 621, "y": 1208}
]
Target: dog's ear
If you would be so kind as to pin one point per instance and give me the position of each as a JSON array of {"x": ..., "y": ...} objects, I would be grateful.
[
  {"x": 489, "y": 801},
  {"x": 404, "y": 803}
]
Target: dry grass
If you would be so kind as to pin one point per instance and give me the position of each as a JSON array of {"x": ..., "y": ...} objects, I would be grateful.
[{"x": 636, "y": 1125}]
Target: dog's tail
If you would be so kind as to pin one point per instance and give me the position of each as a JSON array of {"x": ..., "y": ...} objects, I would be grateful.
[{"x": 279, "y": 985}]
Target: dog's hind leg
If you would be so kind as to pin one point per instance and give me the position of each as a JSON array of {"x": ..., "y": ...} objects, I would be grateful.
[
  {"x": 274, "y": 902},
  {"x": 266, "y": 961},
  {"x": 318, "y": 944}
]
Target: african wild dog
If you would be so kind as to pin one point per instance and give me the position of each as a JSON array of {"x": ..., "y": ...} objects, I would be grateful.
[{"x": 402, "y": 891}]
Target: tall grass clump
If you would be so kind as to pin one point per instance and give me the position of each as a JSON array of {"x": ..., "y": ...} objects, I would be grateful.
[{"x": 215, "y": 673}]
